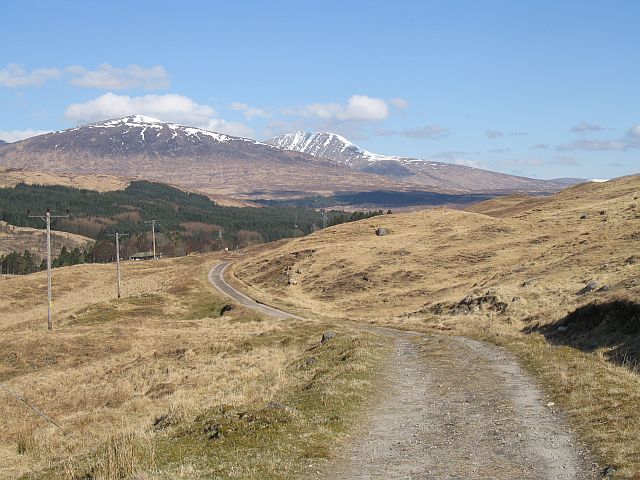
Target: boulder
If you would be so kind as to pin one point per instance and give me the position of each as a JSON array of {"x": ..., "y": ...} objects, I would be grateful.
[
  {"x": 381, "y": 232},
  {"x": 326, "y": 336}
]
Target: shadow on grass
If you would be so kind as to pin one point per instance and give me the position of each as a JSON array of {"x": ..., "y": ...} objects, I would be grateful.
[{"x": 614, "y": 326}]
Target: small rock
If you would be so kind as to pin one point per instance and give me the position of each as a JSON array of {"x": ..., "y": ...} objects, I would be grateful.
[
  {"x": 607, "y": 472},
  {"x": 563, "y": 328},
  {"x": 584, "y": 217},
  {"x": 603, "y": 212},
  {"x": 226, "y": 309},
  {"x": 298, "y": 271},
  {"x": 292, "y": 281},
  {"x": 273, "y": 405},
  {"x": 528, "y": 282},
  {"x": 550, "y": 404},
  {"x": 589, "y": 287},
  {"x": 604, "y": 288},
  {"x": 311, "y": 361},
  {"x": 381, "y": 232},
  {"x": 365, "y": 278},
  {"x": 213, "y": 431},
  {"x": 326, "y": 336}
]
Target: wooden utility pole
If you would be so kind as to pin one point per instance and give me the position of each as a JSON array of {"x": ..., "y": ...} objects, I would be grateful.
[
  {"x": 118, "y": 235},
  {"x": 47, "y": 219},
  {"x": 153, "y": 224}
]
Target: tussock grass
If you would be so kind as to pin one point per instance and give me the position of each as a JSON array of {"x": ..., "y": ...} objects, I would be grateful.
[{"x": 138, "y": 382}]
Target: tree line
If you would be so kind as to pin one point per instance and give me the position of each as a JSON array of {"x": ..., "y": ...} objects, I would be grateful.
[{"x": 188, "y": 222}]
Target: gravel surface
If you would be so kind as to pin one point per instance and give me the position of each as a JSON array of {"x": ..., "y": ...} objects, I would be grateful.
[{"x": 452, "y": 408}]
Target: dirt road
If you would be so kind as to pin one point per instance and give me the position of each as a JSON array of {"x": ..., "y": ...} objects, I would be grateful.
[{"x": 451, "y": 408}]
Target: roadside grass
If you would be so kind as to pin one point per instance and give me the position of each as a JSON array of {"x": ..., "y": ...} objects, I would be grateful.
[{"x": 162, "y": 384}]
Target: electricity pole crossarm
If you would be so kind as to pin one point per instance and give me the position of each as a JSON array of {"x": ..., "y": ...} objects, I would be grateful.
[
  {"x": 47, "y": 219},
  {"x": 118, "y": 235}
]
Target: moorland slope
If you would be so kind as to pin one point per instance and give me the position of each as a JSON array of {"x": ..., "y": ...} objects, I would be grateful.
[{"x": 556, "y": 280}]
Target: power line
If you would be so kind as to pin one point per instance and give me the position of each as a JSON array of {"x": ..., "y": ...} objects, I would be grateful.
[
  {"x": 47, "y": 219},
  {"x": 19, "y": 397}
]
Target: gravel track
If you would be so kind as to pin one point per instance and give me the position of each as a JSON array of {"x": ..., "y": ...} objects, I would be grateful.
[{"x": 450, "y": 408}]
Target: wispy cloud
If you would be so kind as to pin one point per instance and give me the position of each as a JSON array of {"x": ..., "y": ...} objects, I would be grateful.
[
  {"x": 14, "y": 76},
  {"x": 105, "y": 76},
  {"x": 593, "y": 145},
  {"x": 586, "y": 127},
  {"x": 248, "y": 111},
  {"x": 493, "y": 134},
  {"x": 540, "y": 146},
  {"x": 108, "y": 77},
  {"x": 426, "y": 132},
  {"x": 447, "y": 155},
  {"x": 399, "y": 103},
  {"x": 16, "y": 135}
]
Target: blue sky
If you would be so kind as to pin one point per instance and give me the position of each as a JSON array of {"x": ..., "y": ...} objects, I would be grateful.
[{"x": 538, "y": 88}]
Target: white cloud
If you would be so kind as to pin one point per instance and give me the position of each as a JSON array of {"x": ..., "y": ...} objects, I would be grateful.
[
  {"x": 16, "y": 135},
  {"x": 170, "y": 107},
  {"x": 493, "y": 134},
  {"x": 399, "y": 103},
  {"x": 359, "y": 108},
  {"x": 634, "y": 131},
  {"x": 108, "y": 77},
  {"x": 248, "y": 111},
  {"x": 230, "y": 128},
  {"x": 14, "y": 75},
  {"x": 363, "y": 108}
]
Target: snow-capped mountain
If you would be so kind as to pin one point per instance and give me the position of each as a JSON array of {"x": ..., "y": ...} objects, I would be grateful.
[
  {"x": 327, "y": 145},
  {"x": 139, "y": 146},
  {"x": 424, "y": 173}
]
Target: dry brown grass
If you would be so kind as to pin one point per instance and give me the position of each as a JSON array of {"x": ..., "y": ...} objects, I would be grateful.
[
  {"x": 19, "y": 239},
  {"x": 137, "y": 381},
  {"x": 10, "y": 177},
  {"x": 515, "y": 264}
]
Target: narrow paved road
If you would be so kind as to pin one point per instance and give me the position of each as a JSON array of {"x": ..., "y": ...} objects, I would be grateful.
[
  {"x": 216, "y": 277},
  {"x": 450, "y": 408}
]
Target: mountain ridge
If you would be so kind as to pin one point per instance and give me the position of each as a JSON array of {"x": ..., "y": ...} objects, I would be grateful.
[
  {"x": 427, "y": 173},
  {"x": 220, "y": 164}
]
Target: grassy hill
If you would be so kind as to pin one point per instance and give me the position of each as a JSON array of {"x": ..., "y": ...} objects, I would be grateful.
[
  {"x": 556, "y": 280},
  {"x": 162, "y": 384},
  {"x": 19, "y": 239}
]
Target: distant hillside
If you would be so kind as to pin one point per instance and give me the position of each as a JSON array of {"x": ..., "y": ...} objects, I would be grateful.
[
  {"x": 528, "y": 265},
  {"x": 424, "y": 174},
  {"x": 188, "y": 219},
  {"x": 19, "y": 239},
  {"x": 10, "y": 177}
]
